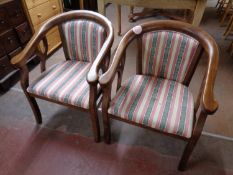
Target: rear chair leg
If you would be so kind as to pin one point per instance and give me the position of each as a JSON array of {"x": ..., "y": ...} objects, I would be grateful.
[
  {"x": 35, "y": 108},
  {"x": 107, "y": 129}
]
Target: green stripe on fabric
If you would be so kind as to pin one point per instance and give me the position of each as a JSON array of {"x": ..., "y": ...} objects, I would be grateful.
[
  {"x": 152, "y": 53},
  {"x": 180, "y": 56},
  {"x": 64, "y": 82},
  {"x": 135, "y": 102},
  {"x": 94, "y": 45},
  {"x": 72, "y": 37},
  {"x": 183, "y": 112},
  {"x": 84, "y": 31},
  {"x": 152, "y": 101},
  {"x": 167, "y": 106},
  {"x": 122, "y": 96},
  {"x": 166, "y": 54},
  {"x": 46, "y": 86},
  {"x": 80, "y": 98}
]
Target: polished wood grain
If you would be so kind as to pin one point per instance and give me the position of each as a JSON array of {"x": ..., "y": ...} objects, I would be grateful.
[{"x": 205, "y": 103}]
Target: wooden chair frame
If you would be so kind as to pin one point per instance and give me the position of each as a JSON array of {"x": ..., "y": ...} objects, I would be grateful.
[
  {"x": 101, "y": 62},
  {"x": 205, "y": 102}
]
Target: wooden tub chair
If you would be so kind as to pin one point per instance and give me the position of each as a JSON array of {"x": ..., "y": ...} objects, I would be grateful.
[
  {"x": 87, "y": 38},
  {"x": 158, "y": 96}
]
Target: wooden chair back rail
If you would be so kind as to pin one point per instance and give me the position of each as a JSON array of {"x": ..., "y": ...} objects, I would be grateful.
[
  {"x": 20, "y": 59},
  {"x": 207, "y": 42}
]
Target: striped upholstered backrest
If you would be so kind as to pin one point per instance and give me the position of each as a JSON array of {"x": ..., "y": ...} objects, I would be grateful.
[
  {"x": 168, "y": 54},
  {"x": 84, "y": 39}
]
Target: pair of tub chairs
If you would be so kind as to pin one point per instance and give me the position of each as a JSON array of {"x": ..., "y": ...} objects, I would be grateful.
[{"x": 157, "y": 97}]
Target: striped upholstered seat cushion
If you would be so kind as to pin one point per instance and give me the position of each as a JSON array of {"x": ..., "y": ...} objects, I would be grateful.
[
  {"x": 84, "y": 39},
  {"x": 168, "y": 54},
  {"x": 65, "y": 82},
  {"x": 157, "y": 103}
]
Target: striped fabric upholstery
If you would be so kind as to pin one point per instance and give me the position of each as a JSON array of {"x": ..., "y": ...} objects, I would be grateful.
[
  {"x": 158, "y": 103},
  {"x": 65, "y": 82},
  {"x": 84, "y": 39},
  {"x": 168, "y": 54}
]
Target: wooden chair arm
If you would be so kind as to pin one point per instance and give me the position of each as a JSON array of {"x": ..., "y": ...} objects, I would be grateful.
[
  {"x": 109, "y": 75},
  {"x": 208, "y": 102},
  {"x": 32, "y": 46},
  {"x": 93, "y": 74}
]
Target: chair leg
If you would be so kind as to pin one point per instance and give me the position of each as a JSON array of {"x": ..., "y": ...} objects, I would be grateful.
[
  {"x": 107, "y": 129},
  {"x": 95, "y": 125},
  {"x": 35, "y": 108},
  {"x": 186, "y": 154},
  {"x": 193, "y": 141}
]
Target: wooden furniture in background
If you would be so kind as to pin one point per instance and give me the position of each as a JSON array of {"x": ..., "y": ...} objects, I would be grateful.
[
  {"x": 229, "y": 27},
  {"x": 39, "y": 12},
  {"x": 158, "y": 96},
  {"x": 226, "y": 11},
  {"x": 15, "y": 32},
  {"x": 197, "y": 6},
  {"x": 79, "y": 4},
  {"x": 73, "y": 82}
]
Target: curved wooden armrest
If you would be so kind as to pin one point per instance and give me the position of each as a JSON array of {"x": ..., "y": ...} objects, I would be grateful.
[
  {"x": 209, "y": 104},
  {"x": 93, "y": 74},
  {"x": 109, "y": 75}
]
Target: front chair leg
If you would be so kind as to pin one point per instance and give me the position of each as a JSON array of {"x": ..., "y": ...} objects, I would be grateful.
[
  {"x": 95, "y": 125},
  {"x": 35, "y": 108},
  {"x": 93, "y": 112},
  {"x": 193, "y": 141},
  {"x": 186, "y": 154}
]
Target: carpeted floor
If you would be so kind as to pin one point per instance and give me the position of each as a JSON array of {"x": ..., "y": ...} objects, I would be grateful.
[{"x": 63, "y": 143}]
